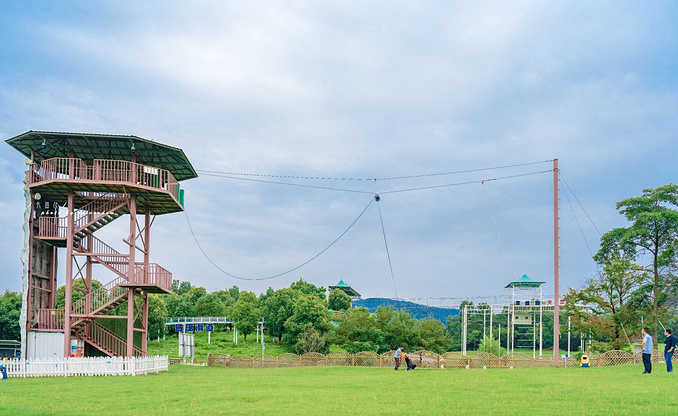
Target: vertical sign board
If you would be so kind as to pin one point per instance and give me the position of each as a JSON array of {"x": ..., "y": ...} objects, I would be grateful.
[
  {"x": 190, "y": 327},
  {"x": 186, "y": 345},
  {"x": 200, "y": 327},
  {"x": 179, "y": 328}
]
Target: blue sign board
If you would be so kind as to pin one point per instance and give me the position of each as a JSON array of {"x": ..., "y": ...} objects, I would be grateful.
[
  {"x": 179, "y": 327},
  {"x": 190, "y": 327},
  {"x": 201, "y": 327},
  {"x": 209, "y": 327}
]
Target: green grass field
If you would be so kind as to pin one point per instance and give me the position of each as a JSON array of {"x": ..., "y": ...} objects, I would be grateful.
[{"x": 188, "y": 390}]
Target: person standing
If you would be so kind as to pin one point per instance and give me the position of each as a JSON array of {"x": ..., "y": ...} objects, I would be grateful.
[
  {"x": 397, "y": 356},
  {"x": 669, "y": 349},
  {"x": 647, "y": 351}
]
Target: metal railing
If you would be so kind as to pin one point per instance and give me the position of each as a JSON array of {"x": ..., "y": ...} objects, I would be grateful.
[
  {"x": 153, "y": 275},
  {"x": 99, "y": 298},
  {"x": 106, "y": 339},
  {"x": 104, "y": 170},
  {"x": 106, "y": 255},
  {"x": 199, "y": 320},
  {"x": 50, "y": 319},
  {"x": 83, "y": 217}
]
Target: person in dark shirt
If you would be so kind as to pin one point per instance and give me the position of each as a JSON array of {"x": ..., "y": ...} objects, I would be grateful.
[{"x": 669, "y": 349}]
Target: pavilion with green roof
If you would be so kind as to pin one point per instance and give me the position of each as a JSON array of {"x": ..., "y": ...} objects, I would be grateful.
[{"x": 352, "y": 293}]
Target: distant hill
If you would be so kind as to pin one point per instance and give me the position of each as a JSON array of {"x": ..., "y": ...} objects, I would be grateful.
[{"x": 416, "y": 310}]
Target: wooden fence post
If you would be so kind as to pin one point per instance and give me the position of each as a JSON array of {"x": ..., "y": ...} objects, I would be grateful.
[{"x": 353, "y": 361}]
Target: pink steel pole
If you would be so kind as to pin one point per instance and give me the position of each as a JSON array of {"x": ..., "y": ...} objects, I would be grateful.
[
  {"x": 69, "y": 275},
  {"x": 147, "y": 254},
  {"x": 131, "y": 276},
  {"x": 556, "y": 294}
]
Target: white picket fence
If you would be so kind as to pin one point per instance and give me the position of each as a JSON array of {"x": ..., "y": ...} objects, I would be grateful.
[{"x": 87, "y": 366}]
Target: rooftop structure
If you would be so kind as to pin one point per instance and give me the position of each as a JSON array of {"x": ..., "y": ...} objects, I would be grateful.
[
  {"x": 352, "y": 293},
  {"x": 75, "y": 185}
]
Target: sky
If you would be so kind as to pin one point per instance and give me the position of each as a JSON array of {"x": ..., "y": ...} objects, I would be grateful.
[{"x": 360, "y": 90}]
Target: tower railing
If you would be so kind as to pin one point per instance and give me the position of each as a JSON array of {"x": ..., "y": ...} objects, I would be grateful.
[
  {"x": 82, "y": 217},
  {"x": 154, "y": 275},
  {"x": 104, "y": 170}
]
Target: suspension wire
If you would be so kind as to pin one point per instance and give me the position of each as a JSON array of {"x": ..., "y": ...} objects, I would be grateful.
[
  {"x": 326, "y": 188},
  {"x": 388, "y": 253},
  {"x": 424, "y": 175},
  {"x": 421, "y": 188},
  {"x": 560, "y": 173},
  {"x": 581, "y": 230},
  {"x": 494, "y": 221},
  {"x": 282, "y": 273}
]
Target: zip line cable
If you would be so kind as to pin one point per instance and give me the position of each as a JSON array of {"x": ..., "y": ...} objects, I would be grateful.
[
  {"x": 279, "y": 274},
  {"x": 577, "y": 199},
  {"x": 494, "y": 221},
  {"x": 424, "y": 175},
  {"x": 327, "y": 188},
  {"x": 421, "y": 188},
  {"x": 581, "y": 230},
  {"x": 388, "y": 253}
]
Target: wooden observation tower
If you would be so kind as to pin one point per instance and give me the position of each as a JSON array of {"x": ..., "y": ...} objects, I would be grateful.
[{"x": 76, "y": 184}]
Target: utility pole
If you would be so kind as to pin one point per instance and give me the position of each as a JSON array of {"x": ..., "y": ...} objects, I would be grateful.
[{"x": 556, "y": 294}]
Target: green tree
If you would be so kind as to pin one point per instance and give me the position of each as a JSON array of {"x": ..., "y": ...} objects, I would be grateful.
[
  {"x": 78, "y": 292},
  {"x": 491, "y": 345},
  {"x": 234, "y": 292},
  {"x": 179, "y": 306},
  {"x": 157, "y": 316},
  {"x": 432, "y": 335},
  {"x": 210, "y": 305},
  {"x": 245, "y": 313},
  {"x": 359, "y": 331},
  {"x": 278, "y": 309},
  {"x": 653, "y": 232},
  {"x": 195, "y": 294},
  {"x": 225, "y": 297},
  {"x": 309, "y": 289},
  {"x": 10, "y": 310},
  {"x": 180, "y": 288},
  {"x": 401, "y": 331},
  {"x": 609, "y": 294},
  {"x": 311, "y": 341},
  {"x": 309, "y": 312},
  {"x": 339, "y": 300}
]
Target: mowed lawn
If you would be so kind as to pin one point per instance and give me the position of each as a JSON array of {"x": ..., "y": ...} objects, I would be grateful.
[{"x": 188, "y": 390}]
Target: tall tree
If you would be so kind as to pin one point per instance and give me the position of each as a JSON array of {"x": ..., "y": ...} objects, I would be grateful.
[
  {"x": 278, "y": 309},
  {"x": 157, "y": 315},
  {"x": 309, "y": 312},
  {"x": 339, "y": 300},
  {"x": 245, "y": 313},
  {"x": 309, "y": 289},
  {"x": 654, "y": 232},
  {"x": 10, "y": 309},
  {"x": 210, "y": 305}
]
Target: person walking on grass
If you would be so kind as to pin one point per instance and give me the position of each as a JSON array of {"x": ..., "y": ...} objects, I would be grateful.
[
  {"x": 397, "y": 356},
  {"x": 669, "y": 349},
  {"x": 647, "y": 351}
]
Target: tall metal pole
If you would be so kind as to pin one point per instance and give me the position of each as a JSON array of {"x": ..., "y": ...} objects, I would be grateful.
[
  {"x": 569, "y": 327},
  {"x": 131, "y": 273},
  {"x": 491, "y": 307},
  {"x": 556, "y": 294},
  {"x": 69, "y": 274},
  {"x": 541, "y": 329}
]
